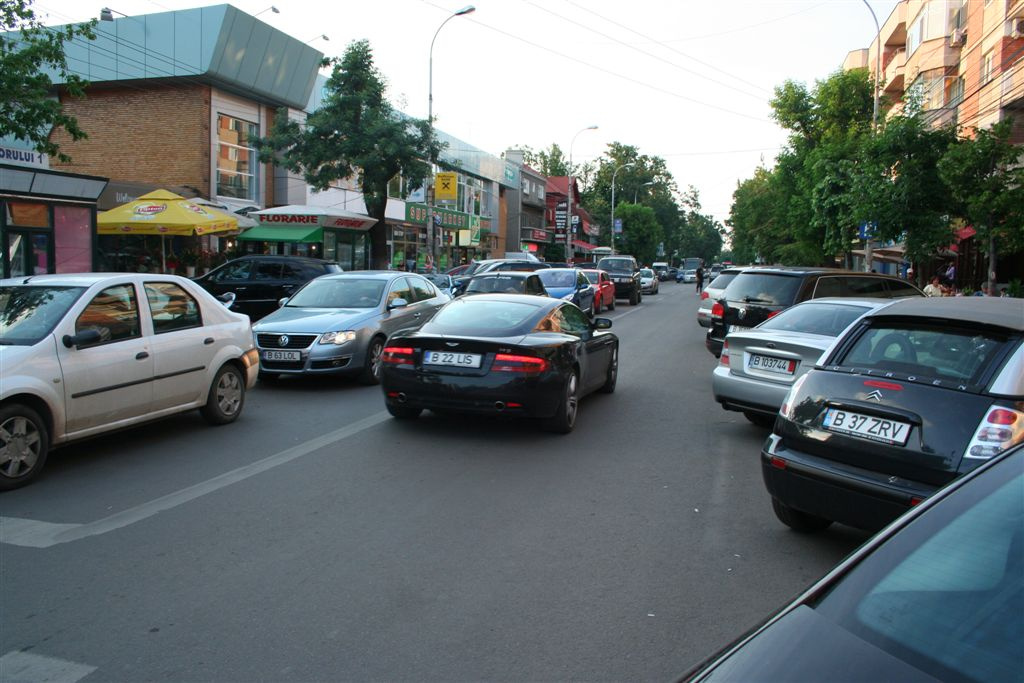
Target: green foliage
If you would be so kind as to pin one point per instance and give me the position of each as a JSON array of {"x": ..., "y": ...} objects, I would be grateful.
[
  {"x": 555, "y": 252},
  {"x": 549, "y": 162},
  {"x": 355, "y": 132},
  {"x": 641, "y": 233},
  {"x": 28, "y": 109}
]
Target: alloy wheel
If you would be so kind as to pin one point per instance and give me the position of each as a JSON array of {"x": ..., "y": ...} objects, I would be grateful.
[{"x": 19, "y": 446}]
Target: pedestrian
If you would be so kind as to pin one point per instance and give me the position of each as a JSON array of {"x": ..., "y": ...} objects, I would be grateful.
[
  {"x": 700, "y": 280},
  {"x": 934, "y": 288}
]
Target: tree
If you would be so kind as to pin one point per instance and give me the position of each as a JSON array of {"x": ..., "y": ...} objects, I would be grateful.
[
  {"x": 986, "y": 181},
  {"x": 641, "y": 233},
  {"x": 355, "y": 132},
  {"x": 28, "y": 110}
]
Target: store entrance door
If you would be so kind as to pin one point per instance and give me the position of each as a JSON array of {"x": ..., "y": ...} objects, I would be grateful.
[{"x": 28, "y": 252}]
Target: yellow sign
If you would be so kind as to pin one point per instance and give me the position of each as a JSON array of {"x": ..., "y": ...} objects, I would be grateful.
[{"x": 446, "y": 186}]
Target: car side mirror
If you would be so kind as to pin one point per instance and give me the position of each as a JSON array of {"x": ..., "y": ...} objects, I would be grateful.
[
  {"x": 83, "y": 338},
  {"x": 602, "y": 323},
  {"x": 227, "y": 298},
  {"x": 398, "y": 303},
  {"x": 282, "y": 301}
]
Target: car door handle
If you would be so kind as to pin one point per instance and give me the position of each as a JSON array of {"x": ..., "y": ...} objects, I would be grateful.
[
  {"x": 142, "y": 355},
  {"x": 208, "y": 341},
  {"x": 416, "y": 315}
]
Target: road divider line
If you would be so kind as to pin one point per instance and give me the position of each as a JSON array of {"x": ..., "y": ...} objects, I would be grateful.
[
  {"x": 26, "y": 666},
  {"x": 37, "y": 534}
]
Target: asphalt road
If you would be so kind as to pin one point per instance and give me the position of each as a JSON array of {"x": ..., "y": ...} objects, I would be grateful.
[{"x": 316, "y": 539}]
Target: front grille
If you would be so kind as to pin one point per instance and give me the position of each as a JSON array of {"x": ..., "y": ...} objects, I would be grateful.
[{"x": 295, "y": 341}]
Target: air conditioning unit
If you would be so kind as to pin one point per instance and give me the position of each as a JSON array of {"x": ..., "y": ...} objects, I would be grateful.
[
  {"x": 958, "y": 38},
  {"x": 1017, "y": 27}
]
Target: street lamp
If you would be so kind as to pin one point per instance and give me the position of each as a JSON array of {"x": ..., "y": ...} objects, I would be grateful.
[
  {"x": 269, "y": 9},
  {"x": 614, "y": 173},
  {"x": 322, "y": 36},
  {"x": 568, "y": 208},
  {"x": 637, "y": 190},
  {"x": 431, "y": 238},
  {"x": 868, "y": 256}
]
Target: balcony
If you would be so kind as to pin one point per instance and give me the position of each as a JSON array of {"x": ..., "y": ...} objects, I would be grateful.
[
  {"x": 1012, "y": 96},
  {"x": 894, "y": 70}
]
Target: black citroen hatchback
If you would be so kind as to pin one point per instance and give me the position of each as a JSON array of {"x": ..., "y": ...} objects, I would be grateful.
[{"x": 914, "y": 395}]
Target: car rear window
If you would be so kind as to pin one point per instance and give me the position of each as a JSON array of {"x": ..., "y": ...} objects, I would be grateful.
[
  {"x": 593, "y": 277},
  {"x": 616, "y": 264},
  {"x": 722, "y": 281},
  {"x": 484, "y": 318},
  {"x": 557, "y": 278},
  {"x": 957, "y": 355},
  {"x": 485, "y": 284},
  {"x": 813, "y": 318},
  {"x": 763, "y": 288}
]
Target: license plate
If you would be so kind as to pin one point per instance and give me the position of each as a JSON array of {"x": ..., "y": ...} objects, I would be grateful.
[
  {"x": 462, "y": 360},
  {"x": 281, "y": 355},
  {"x": 771, "y": 364},
  {"x": 866, "y": 426},
  {"x": 737, "y": 328}
]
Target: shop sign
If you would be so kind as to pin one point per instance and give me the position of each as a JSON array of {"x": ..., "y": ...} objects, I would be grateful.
[
  {"x": 23, "y": 157},
  {"x": 561, "y": 211},
  {"x": 418, "y": 213},
  {"x": 446, "y": 186}
]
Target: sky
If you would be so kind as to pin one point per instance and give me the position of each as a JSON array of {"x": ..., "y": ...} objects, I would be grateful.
[{"x": 683, "y": 80}]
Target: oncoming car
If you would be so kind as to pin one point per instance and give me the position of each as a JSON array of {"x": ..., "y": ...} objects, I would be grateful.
[{"x": 85, "y": 354}]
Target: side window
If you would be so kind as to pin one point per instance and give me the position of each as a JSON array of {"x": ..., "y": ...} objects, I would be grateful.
[
  {"x": 422, "y": 289},
  {"x": 576, "y": 322},
  {"x": 235, "y": 272},
  {"x": 293, "y": 272},
  {"x": 828, "y": 286},
  {"x": 400, "y": 290},
  {"x": 866, "y": 286},
  {"x": 171, "y": 307},
  {"x": 899, "y": 289},
  {"x": 552, "y": 322},
  {"x": 267, "y": 270},
  {"x": 114, "y": 313},
  {"x": 533, "y": 285}
]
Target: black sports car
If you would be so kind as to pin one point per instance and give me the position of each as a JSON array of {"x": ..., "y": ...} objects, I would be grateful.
[{"x": 501, "y": 354}]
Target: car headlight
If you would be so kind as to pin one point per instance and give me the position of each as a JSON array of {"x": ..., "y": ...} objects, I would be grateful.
[{"x": 338, "y": 338}]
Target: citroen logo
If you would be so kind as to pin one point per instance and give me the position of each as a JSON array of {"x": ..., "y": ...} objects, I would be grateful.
[
  {"x": 741, "y": 313},
  {"x": 875, "y": 395},
  {"x": 452, "y": 344},
  {"x": 282, "y": 340}
]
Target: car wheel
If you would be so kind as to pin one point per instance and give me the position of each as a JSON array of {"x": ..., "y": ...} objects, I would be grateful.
[
  {"x": 227, "y": 396},
  {"x": 766, "y": 421},
  {"x": 564, "y": 418},
  {"x": 404, "y": 412},
  {"x": 798, "y": 521},
  {"x": 634, "y": 298},
  {"x": 613, "y": 373},
  {"x": 371, "y": 366},
  {"x": 24, "y": 444}
]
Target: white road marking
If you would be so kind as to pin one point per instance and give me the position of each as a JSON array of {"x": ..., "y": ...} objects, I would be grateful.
[
  {"x": 31, "y": 533},
  {"x": 25, "y": 667}
]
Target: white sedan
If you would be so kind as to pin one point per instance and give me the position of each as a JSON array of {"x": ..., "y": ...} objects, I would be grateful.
[{"x": 89, "y": 353}]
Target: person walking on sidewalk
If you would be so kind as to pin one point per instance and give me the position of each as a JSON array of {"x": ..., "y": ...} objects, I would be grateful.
[{"x": 700, "y": 280}]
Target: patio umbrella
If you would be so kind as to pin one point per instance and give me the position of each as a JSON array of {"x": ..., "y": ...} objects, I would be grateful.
[{"x": 164, "y": 213}]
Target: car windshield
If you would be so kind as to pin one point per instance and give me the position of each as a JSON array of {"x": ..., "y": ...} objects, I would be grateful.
[
  {"x": 813, "y": 318},
  {"x": 646, "y": 272},
  {"x": 29, "y": 313},
  {"x": 615, "y": 264},
  {"x": 763, "y": 288},
  {"x": 339, "y": 293},
  {"x": 491, "y": 318},
  {"x": 946, "y": 594},
  {"x": 488, "y": 284},
  {"x": 557, "y": 278},
  {"x": 925, "y": 351}
]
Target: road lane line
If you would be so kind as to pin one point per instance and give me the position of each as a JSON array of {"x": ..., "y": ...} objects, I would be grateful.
[
  {"x": 36, "y": 534},
  {"x": 19, "y": 667}
]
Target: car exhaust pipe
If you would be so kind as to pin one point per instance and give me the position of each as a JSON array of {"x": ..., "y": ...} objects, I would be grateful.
[
  {"x": 499, "y": 406},
  {"x": 401, "y": 397}
]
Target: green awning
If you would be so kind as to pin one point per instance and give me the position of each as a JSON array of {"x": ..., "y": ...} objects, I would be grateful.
[{"x": 274, "y": 233}]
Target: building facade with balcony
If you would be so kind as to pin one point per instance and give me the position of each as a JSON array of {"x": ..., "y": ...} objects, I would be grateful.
[{"x": 525, "y": 208}]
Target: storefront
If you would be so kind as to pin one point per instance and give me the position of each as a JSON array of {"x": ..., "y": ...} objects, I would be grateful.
[
  {"x": 47, "y": 220},
  {"x": 319, "y": 232},
  {"x": 460, "y": 236}
]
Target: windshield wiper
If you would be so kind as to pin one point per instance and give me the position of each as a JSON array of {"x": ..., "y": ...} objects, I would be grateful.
[{"x": 756, "y": 300}]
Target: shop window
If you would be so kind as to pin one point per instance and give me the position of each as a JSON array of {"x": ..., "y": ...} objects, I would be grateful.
[
  {"x": 237, "y": 164},
  {"x": 28, "y": 215},
  {"x": 73, "y": 236}
]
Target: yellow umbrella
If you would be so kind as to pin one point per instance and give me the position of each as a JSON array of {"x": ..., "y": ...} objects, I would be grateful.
[{"x": 163, "y": 213}]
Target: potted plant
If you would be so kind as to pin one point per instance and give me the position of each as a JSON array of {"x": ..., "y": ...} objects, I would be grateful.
[{"x": 190, "y": 259}]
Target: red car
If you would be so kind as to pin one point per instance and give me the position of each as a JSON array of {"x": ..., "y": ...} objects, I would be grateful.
[{"x": 604, "y": 289}]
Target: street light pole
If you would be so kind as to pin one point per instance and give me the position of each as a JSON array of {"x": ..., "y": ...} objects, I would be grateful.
[
  {"x": 568, "y": 208},
  {"x": 868, "y": 255},
  {"x": 431, "y": 227},
  {"x": 614, "y": 173},
  {"x": 637, "y": 190}
]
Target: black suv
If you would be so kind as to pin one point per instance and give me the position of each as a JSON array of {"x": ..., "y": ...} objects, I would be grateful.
[
  {"x": 259, "y": 282},
  {"x": 757, "y": 294},
  {"x": 495, "y": 265},
  {"x": 625, "y": 273}
]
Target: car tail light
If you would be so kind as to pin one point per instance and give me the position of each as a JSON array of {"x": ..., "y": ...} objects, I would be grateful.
[
  {"x": 724, "y": 358},
  {"x": 1000, "y": 429},
  {"x": 717, "y": 310},
  {"x": 397, "y": 354},
  {"x": 703, "y": 295},
  {"x": 788, "y": 407},
  {"x": 773, "y": 314},
  {"x": 507, "y": 362}
]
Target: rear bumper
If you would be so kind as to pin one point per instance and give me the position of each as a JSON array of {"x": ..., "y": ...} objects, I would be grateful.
[
  {"x": 704, "y": 317},
  {"x": 836, "y": 491},
  {"x": 744, "y": 394},
  {"x": 713, "y": 344},
  {"x": 536, "y": 396}
]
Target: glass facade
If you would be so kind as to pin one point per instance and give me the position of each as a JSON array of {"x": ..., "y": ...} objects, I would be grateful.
[{"x": 237, "y": 163}]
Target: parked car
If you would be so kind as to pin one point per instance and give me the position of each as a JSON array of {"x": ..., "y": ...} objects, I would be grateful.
[
  {"x": 497, "y": 265},
  {"x": 757, "y": 367},
  {"x": 625, "y": 273},
  {"x": 912, "y": 396},
  {"x": 938, "y": 595},
  {"x": 259, "y": 282},
  {"x": 660, "y": 268},
  {"x": 712, "y": 293},
  {"x": 571, "y": 285},
  {"x": 604, "y": 289},
  {"x": 502, "y": 354},
  {"x": 337, "y": 324},
  {"x": 759, "y": 293},
  {"x": 649, "y": 281},
  {"x": 85, "y": 354},
  {"x": 506, "y": 281},
  {"x": 585, "y": 265},
  {"x": 686, "y": 275},
  {"x": 443, "y": 281},
  {"x": 672, "y": 273},
  {"x": 458, "y": 270}
]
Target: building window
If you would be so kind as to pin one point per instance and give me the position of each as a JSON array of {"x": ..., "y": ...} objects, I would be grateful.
[
  {"x": 237, "y": 165},
  {"x": 986, "y": 68}
]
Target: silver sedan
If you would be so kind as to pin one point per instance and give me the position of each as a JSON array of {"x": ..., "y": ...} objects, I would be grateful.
[
  {"x": 337, "y": 324},
  {"x": 757, "y": 367}
]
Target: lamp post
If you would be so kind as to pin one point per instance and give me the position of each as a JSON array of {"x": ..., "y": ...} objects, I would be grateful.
[
  {"x": 431, "y": 227},
  {"x": 868, "y": 256},
  {"x": 614, "y": 173},
  {"x": 568, "y": 208},
  {"x": 637, "y": 190}
]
